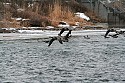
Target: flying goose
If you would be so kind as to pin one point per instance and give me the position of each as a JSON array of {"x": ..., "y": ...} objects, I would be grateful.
[
  {"x": 107, "y": 32},
  {"x": 60, "y": 38},
  {"x": 115, "y": 35}
]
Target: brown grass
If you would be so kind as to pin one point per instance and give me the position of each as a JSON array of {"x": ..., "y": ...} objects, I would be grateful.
[
  {"x": 50, "y": 13},
  {"x": 7, "y": 24},
  {"x": 59, "y": 12}
]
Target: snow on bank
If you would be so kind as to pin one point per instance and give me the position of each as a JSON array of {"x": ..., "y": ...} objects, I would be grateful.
[
  {"x": 29, "y": 34},
  {"x": 82, "y": 15}
]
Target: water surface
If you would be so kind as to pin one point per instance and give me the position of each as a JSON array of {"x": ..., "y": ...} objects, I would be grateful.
[{"x": 94, "y": 60}]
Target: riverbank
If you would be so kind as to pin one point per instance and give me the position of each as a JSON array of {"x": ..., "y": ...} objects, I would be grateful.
[
  {"x": 36, "y": 34},
  {"x": 30, "y": 34}
]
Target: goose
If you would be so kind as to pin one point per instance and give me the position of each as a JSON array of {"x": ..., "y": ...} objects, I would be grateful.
[
  {"x": 86, "y": 37},
  {"x": 107, "y": 32},
  {"x": 115, "y": 35},
  {"x": 60, "y": 38}
]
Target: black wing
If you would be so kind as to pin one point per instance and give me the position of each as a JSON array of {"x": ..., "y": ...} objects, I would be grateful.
[
  {"x": 115, "y": 35},
  {"x": 62, "y": 30},
  {"x": 107, "y": 32},
  {"x": 67, "y": 35},
  {"x": 51, "y": 41},
  {"x": 60, "y": 41}
]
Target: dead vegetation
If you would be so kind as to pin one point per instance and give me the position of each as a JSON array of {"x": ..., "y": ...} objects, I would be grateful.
[{"x": 50, "y": 12}]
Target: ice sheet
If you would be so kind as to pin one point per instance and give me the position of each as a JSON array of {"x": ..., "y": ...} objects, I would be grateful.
[{"x": 28, "y": 34}]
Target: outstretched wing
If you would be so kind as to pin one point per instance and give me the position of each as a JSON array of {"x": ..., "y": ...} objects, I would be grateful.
[
  {"x": 51, "y": 41},
  {"x": 67, "y": 35},
  {"x": 107, "y": 32},
  {"x": 62, "y": 30},
  {"x": 115, "y": 35},
  {"x": 60, "y": 41}
]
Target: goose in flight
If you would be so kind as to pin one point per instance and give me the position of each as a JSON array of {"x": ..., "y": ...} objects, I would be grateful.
[
  {"x": 60, "y": 38},
  {"x": 115, "y": 35},
  {"x": 108, "y": 31}
]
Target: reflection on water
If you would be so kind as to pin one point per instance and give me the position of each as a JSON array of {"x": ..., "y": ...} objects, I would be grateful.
[{"x": 94, "y": 60}]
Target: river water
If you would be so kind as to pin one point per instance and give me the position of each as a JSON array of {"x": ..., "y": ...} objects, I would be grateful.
[{"x": 94, "y": 60}]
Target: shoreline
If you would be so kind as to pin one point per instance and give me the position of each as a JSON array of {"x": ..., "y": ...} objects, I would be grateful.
[
  {"x": 34, "y": 34},
  {"x": 41, "y": 34}
]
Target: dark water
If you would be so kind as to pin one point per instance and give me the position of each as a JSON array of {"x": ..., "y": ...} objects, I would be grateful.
[{"x": 94, "y": 60}]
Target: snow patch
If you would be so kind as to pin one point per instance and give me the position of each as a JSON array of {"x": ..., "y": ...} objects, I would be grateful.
[
  {"x": 28, "y": 34},
  {"x": 82, "y": 15}
]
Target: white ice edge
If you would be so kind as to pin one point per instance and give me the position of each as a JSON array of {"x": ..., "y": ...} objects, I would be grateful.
[{"x": 28, "y": 34}]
